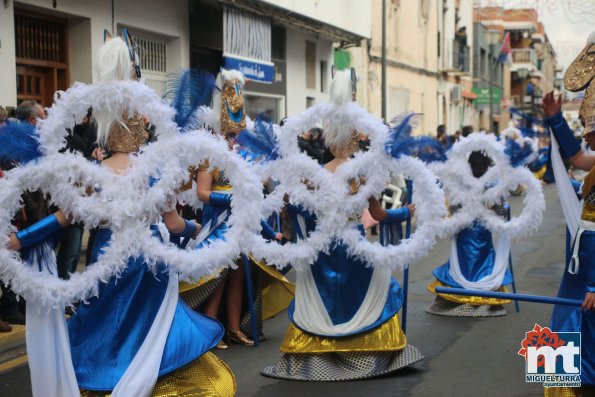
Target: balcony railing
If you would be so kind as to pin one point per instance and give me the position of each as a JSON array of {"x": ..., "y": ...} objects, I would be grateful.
[
  {"x": 525, "y": 55},
  {"x": 460, "y": 57}
]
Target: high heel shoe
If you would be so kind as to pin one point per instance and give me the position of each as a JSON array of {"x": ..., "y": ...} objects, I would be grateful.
[
  {"x": 239, "y": 337},
  {"x": 221, "y": 345}
]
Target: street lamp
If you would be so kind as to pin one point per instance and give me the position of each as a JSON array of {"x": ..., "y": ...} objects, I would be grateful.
[{"x": 492, "y": 37}]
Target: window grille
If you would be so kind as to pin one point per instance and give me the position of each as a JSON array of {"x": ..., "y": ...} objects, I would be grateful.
[
  {"x": 39, "y": 39},
  {"x": 152, "y": 52}
]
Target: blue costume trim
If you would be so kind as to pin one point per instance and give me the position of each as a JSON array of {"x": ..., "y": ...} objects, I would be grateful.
[
  {"x": 39, "y": 231},
  {"x": 189, "y": 230},
  {"x": 571, "y": 319},
  {"x": 398, "y": 215},
  {"x": 569, "y": 146},
  {"x": 476, "y": 254},
  {"x": 267, "y": 230},
  {"x": 220, "y": 199},
  {"x": 342, "y": 280}
]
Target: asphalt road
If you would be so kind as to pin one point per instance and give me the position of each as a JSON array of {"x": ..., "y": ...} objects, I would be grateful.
[{"x": 464, "y": 356}]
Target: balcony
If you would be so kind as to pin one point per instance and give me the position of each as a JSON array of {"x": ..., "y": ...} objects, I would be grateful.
[
  {"x": 524, "y": 58},
  {"x": 460, "y": 57}
]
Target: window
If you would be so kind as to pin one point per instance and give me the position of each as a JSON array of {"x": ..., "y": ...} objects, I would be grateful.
[
  {"x": 323, "y": 76},
  {"x": 310, "y": 65},
  {"x": 152, "y": 51}
]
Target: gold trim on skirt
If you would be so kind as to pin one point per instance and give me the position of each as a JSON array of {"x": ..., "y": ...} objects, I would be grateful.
[
  {"x": 583, "y": 391},
  {"x": 185, "y": 286},
  {"x": 277, "y": 291},
  {"x": 470, "y": 300},
  {"x": 207, "y": 376},
  {"x": 387, "y": 337}
]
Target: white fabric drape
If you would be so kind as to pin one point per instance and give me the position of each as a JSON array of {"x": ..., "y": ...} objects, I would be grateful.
[
  {"x": 141, "y": 375},
  {"x": 490, "y": 282},
  {"x": 311, "y": 315},
  {"x": 48, "y": 345},
  {"x": 571, "y": 206}
]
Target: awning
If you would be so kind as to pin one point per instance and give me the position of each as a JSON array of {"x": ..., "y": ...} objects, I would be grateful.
[
  {"x": 247, "y": 44},
  {"x": 469, "y": 95},
  {"x": 296, "y": 21}
]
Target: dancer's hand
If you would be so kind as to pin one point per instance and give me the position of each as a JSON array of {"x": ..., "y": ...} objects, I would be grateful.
[
  {"x": 551, "y": 105},
  {"x": 589, "y": 303},
  {"x": 279, "y": 236},
  {"x": 411, "y": 209},
  {"x": 14, "y": 243}
]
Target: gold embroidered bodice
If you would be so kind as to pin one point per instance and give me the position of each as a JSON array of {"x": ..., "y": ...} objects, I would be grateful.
[
  {"x": 589, "y": 197},
  {"x": 220, "y": 180}
]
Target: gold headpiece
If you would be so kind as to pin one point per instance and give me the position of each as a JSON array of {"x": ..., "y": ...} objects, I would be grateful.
[
  {"x": 579, "y": 76},
  {"x": 233, "y": 117},
  {"x": 347, "y": 149},
  {"x": 127, "y": 137}
]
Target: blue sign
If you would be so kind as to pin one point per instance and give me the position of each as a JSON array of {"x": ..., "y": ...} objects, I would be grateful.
[{"x": 263, "y": 72}]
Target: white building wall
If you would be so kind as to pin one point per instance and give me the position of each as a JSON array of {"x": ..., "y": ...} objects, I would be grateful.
[
  {"x": 350, "y": 15},
  {"x": 86, "y": 23},
  {"x": 8, "y": 83},
  {"x": 297, "y": 93}
]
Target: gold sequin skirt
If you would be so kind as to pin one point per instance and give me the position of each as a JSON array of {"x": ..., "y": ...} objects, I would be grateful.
[
  {"x": 470, "y": 300},
  {"x": 583, "y": 391},
  {"x": 387, "y": 337},
  {"x": 207, "y": 376}
]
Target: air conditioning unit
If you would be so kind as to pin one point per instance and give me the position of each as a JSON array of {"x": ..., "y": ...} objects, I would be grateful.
[{"x": 456, "y": 94}]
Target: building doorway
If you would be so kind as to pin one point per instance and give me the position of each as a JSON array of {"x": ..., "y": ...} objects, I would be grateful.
[{"x": 41, "y": 57}]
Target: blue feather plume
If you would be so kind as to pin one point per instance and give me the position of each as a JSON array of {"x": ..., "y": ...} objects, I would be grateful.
[
  {"x": 261, "y": 143},
  {"x": 516, "y": 153},
  {"x": 400, "y": 142},
  {"x": 19, "y": 142},
  {"x": 187, "y": 92}
]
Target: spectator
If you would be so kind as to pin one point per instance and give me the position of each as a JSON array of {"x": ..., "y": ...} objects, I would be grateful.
[
  {"x": 467, "y": 130},
  {"x": 81, "y": 139},
  {"x": 29, "y": 112},
  {"x": 461, "y": 38},
  {"x": 3, "y": 116}
]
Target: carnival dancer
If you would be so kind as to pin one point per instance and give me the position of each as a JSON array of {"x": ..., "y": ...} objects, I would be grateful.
[
  {"x": 344, "y": 321},
  {"x": 135, "y": 338},
  {"x": 578, "y": 281},
  {"x": 273, "y": 291},
  {"x": 475, "y": 258}
]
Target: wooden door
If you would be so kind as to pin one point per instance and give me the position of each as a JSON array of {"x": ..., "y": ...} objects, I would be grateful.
[{"x": 41, "y": 57}]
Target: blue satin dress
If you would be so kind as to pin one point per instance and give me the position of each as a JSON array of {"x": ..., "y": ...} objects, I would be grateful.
[
  {"x": 343, "y": 281},
  {"x": 575, "y": 286},
  {"x": 475, "y": 250},
  {"x": 106, "y": 332}
]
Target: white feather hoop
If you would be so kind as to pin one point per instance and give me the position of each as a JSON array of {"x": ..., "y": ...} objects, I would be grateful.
[
  {"x": 332, "y": 201},
  {"x": 128, "y": 203},
  {"x": 476, "y": 195}
]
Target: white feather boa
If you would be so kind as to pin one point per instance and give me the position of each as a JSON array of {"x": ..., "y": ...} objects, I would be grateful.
[
  {"x": 477, "y": 195},
  {"x": 127, "y": 203},
  {"x": 329, "y": 194}
]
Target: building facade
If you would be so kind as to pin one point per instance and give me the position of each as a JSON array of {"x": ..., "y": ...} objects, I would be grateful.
[
  {"x": 48, "y": 48},
  {"x": 534, "y": 67},
  {"x": 488, "y": 77},
  {"x": 284, "y": 47}
]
